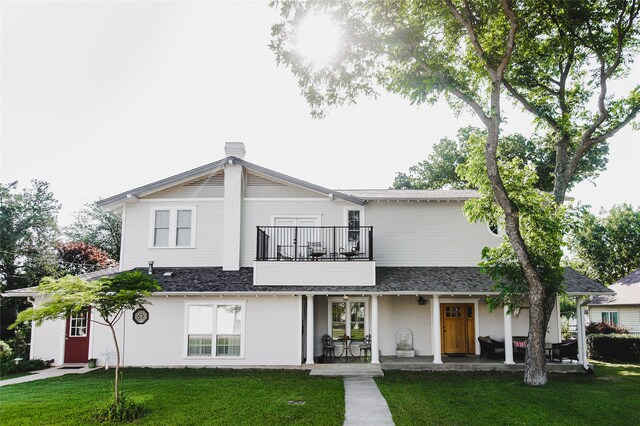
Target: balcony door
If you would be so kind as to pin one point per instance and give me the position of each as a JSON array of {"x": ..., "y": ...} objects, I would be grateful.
[{"x": 294, "y": 236}]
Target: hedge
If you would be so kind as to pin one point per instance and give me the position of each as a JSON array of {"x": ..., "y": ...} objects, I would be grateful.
[{"x": 614, "y": 347}]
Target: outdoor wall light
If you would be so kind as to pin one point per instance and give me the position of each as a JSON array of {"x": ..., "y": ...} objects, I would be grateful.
[{"x": 422, "y": 300}]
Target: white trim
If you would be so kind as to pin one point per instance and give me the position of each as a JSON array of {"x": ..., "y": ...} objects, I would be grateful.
[
  {"x": 317, "y": 218},
  {"x": 63, "y": 341},
  {"x": 476, "y": 319},
  {"x": 122, "y": 239},
  {"x": 214, "y": 304},
  {"x": 324, "y": 199},
  {"x": 173, "y": 224},
  {"x": 180, "y": 200},
  {"x": 32, "y": 343},
  {"x": 500, "y": 233},
  {"x": 345, "y": 214},
  {"x": 367, "y": 313}
]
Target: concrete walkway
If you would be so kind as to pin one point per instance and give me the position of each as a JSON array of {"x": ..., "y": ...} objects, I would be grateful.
[
  {"x": 45, "y": 374},
  {"x": 364, "y": 404}
]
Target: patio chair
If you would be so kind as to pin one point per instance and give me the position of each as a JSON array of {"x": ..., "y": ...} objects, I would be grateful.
[
  {"x": 328, "y": 347},
  {"x": 352, "y": 250},
  {"x": 490, "y": 348},
  {"x": 566, "y": 349},
  {"x": 366, "y": 345},
  {"x": 315, "y": 250},
  {"x": 282, "y": 253}
]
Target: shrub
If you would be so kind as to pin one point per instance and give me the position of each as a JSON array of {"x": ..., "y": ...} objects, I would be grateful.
[
  {"x": 614, "y": 347},
  {"x": 605, "y": 328},
  {"x": 126, "y": 410},
  {"x": 5, "y": 351},
  {"x": 9, "y": 366}
]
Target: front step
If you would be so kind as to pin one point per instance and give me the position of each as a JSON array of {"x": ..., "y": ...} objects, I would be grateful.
[{"x": 347, "y": 370}]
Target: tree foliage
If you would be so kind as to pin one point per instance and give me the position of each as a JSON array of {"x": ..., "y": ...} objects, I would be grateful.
[
  {"x": 108, "y": 296},
  {"x": 98, "y": 227},
  {"x": 28, "y": 233},
  {"x": 606, "y": 248},
  {"x": 438, "y": 171},
  {"x": 468, "y": 52},
  {"x": 76, "y": 258}
]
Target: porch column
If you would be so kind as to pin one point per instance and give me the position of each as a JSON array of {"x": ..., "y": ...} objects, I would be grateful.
[
  {"x": 508, "y": 337},
  {"x": 310, "y": 336},
  {"x": 581, "y": 331},
  {"x": 375, "y": 353},
  {"x": 435, "y": 328}
]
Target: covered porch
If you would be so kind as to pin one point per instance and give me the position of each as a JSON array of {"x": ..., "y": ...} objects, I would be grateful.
[{"x": 444, "y": 330}]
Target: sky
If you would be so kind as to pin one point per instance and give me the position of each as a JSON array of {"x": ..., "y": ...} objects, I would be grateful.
[{"x": 101, "y": 97}]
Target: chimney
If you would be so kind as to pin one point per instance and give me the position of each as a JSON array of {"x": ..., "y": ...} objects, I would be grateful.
[{"x": 235, "y": 149}]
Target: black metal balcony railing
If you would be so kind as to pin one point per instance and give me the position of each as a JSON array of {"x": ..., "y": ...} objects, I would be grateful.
[{"x": 327, "y": 243}]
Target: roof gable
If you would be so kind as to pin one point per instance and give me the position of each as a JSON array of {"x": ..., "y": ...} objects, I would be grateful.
[{"x": 203, "y": 171}]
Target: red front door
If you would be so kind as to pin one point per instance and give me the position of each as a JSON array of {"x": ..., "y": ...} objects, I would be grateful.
[{"x": 76, "y": 346}]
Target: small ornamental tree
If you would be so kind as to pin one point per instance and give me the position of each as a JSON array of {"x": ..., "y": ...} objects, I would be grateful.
[{"x": 109, "y": 296}]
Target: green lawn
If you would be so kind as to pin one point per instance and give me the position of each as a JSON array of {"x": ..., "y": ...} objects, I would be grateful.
[
  {"x": 611, "y": 397},
  {"x": 181, "y": 397},
  {"x": 14, "y": 375}
]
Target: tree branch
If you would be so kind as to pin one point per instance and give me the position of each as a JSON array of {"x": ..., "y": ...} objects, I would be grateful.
[{"x": 529, "y": 107}]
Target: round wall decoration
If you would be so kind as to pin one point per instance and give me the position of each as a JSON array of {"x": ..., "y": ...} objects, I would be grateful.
[{"x": 140, "y": 316}]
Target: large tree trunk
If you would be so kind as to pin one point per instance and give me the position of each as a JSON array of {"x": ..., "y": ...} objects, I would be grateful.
[{"x": 535, "y": 365}]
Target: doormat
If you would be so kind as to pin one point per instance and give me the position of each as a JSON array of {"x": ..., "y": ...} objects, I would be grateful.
[
  {"x": 456, "y": 355},
  {"x": 70, "y": 368}
]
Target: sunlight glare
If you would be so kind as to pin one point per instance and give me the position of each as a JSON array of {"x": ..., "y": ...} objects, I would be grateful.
[{"x": 317, "y": 39}]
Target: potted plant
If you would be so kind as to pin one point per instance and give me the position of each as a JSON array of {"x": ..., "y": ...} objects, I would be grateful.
[{"x": 92, "y": 363}]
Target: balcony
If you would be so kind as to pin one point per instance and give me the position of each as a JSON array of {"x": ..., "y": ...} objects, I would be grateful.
[
  {"x": 314, "y": 243},
  {"x": 314, "y": 255}
]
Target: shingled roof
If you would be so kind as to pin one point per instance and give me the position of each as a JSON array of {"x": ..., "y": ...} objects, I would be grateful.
[
  {"x": 443, "y": 280},
  {"x": 627, "y": 292}
]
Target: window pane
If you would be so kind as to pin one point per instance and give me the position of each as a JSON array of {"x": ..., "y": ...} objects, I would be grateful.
[
  {"x": 357, "y": 320},
  {"x": 228, "y": 345},
  {"x": 228, "y": 330},
  {"x": 614, "y": 318},
  {"x": 199, "y": 345},
  {"x": 161, "y": 238},
  {"x": 184, "y": 218},
  {"x": 338, "y": 319},
  {"x": 228, "y": 320},
  {"x": 200, "y": 320},
  {"x": 162, "y": 218},
  {"x": 183, "y": 237}
]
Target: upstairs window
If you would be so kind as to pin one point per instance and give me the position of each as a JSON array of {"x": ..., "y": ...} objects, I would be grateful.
[
  {"x": 353, "y": 222},
  {"x": 172, "y": 227}
]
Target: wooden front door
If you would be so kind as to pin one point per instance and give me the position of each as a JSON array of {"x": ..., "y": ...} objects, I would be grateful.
[
  {"x": 458, "y": 330},
  {"x": 76, "y": 346}
]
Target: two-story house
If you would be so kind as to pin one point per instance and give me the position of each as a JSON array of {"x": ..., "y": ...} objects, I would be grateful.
[{"x": 256, "y": 266}]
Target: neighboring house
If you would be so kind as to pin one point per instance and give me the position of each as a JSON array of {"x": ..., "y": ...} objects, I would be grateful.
[
  {"x": 623, "y": 308},
  {"x": 257, "y": 266}
]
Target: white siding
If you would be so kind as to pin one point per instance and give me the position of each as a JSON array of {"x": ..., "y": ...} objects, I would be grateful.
[
  {"x": 354, "y": 273},
  {"x": 396, "y": 312},
  {"x": 208, "y": 234},
  {"x": 262, "y": 187},
  {"x": 628, "y": 316},
  {"x": 425, "y": 234},
  {"x": 272, "y": 334},
  {"x": 48, "y": 341}
]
